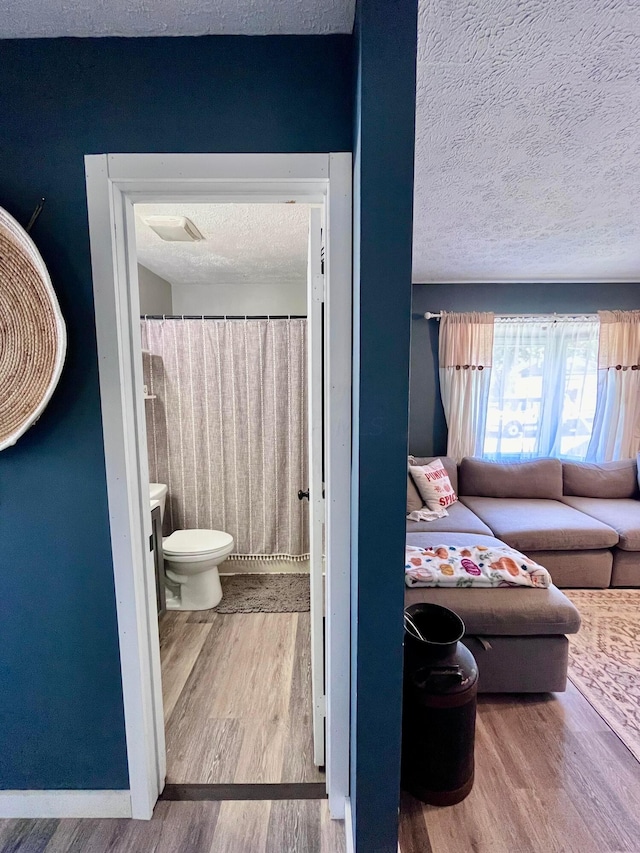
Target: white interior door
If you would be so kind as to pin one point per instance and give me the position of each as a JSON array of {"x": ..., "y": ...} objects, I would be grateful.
[{"x": 315, "y": 299}]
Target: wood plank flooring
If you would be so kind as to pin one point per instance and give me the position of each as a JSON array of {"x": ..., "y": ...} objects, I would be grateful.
[
  {"x": 237, "y": 697},
  {"x": 237, "y": 702},
  {"x": 551, "y": 777},
  {"x": 284, "y": 826}
]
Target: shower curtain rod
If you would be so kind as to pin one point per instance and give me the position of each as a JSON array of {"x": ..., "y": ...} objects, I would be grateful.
[
  {"x": 223, "y": 316},
  {"x": 430, "y": 315}
]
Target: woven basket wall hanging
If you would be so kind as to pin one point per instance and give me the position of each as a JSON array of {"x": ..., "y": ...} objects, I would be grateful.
[{"x": 33, "y": 338}]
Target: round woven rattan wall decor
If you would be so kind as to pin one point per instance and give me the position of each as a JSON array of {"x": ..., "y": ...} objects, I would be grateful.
[{"x": 32, "y": 333}]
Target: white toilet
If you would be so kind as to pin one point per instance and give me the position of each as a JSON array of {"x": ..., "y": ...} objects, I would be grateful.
[{"x": 191, "y": 560}]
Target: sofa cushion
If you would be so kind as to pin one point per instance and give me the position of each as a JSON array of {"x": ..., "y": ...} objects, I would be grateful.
[
  {"x": 626, "y": 568},
  {"x": 623, "y": 515},
  {"x": 460, "y": 518},
  {"x": 414, "y": 501},
  {"x": 522, "y": 664},
  {"x": 541, "y": 478},
  {"x": 536, "y": 525},
  {"x": 601, "y": 479},
  {"x": 577, "y": 569},
  {"x": 449, "y": 464},
  {"x": 504, "y": 612},
  {"x": 421, "y": 540}
]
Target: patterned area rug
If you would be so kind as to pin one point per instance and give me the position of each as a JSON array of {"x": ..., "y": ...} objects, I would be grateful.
[
  {"x": 268, "y": 593},
  {"x": 604, "y": 658}
]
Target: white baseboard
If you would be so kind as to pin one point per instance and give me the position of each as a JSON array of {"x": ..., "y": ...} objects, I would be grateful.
[
  {"x": 60, "y": 804},
  {"x": 348, "y": 825}
]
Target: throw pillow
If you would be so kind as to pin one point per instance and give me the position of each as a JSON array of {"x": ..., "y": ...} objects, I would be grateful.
[
  {"x": 414, "y": 501},
  {"x": 433, "y": 484}
]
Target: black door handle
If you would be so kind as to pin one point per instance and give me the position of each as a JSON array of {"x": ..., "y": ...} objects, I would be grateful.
[{"x": 302, "y": 495}]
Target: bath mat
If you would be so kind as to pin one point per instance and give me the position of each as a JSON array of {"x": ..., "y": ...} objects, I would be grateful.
[
  {"x": 604, "y": 658},
  {"x": 267, "y": 593}
]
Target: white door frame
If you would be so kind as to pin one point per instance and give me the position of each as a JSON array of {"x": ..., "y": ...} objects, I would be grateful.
[
  {"x": 317, "y": 506},
  {"x": 115, "y": 182}
]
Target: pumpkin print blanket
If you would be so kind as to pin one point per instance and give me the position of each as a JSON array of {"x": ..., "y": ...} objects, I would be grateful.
[{"x": 473, "y": 566}]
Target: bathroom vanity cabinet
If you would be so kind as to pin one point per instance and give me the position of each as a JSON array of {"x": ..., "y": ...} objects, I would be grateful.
[{"x": 158, "y": 561}]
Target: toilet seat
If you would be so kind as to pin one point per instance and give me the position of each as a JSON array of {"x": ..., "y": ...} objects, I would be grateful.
[{"x": 196, "y": 543}]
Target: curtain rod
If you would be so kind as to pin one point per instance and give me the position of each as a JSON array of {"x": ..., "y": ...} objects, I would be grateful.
[
  {"x": 223, "y": 317},
  {"x": 430, "y": 315}
]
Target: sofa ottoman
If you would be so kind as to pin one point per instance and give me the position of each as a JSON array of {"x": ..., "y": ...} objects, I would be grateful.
[{"x": 518, "y": 636}]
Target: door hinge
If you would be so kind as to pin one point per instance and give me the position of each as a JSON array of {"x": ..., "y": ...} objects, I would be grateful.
[{"x": 151, "y": 542}]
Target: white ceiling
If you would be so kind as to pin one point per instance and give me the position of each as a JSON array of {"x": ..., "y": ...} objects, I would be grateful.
[
  {"x": 528, "y": 141},
  {"x": 527, "y": 126},
  {"x": 245, "y": 244},
  {"x": 52, "y": 18}
]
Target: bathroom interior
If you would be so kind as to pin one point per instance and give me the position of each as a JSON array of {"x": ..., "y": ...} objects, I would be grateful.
[{"x": 223, "y": 305}]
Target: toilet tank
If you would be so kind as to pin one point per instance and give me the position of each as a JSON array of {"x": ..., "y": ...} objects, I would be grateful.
[{"x": 158, "y": 492}]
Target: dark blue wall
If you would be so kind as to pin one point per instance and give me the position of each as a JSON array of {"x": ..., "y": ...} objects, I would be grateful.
[
  {"x": 385, "y": 48},
  {"x": 61, "y": 717},
  {"x": 428, "y": 428}
]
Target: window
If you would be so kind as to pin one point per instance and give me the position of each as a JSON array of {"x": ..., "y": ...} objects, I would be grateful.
[{"x": 542, "y": 393}]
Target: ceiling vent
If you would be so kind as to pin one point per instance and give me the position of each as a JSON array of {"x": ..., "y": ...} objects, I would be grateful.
[{"x": 174, "y": 229}]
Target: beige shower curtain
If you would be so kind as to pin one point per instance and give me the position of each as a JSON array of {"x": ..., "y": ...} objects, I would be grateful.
[{"x": 227, "y": 429}]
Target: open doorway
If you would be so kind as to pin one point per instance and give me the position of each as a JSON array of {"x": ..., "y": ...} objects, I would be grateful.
[
  {"x": 115, "y": 184},
  {"x": 228, "y": 372}
]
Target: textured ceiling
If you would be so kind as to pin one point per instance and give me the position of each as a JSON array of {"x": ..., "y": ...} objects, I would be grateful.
[
  {"x": 245, "y": 244},
  {"x": 52, "y": 18},
  {"x": 528, "y": 141}
]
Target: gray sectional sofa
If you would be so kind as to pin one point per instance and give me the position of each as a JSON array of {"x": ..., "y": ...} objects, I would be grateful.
[{"x": 579, "y": 520}]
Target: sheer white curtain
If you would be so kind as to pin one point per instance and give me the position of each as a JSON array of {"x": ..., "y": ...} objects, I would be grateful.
[
  {"x": 616, "y": 429},
  {"x": 543, "y": 388},
  {"x": 465, "y": 352}
]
